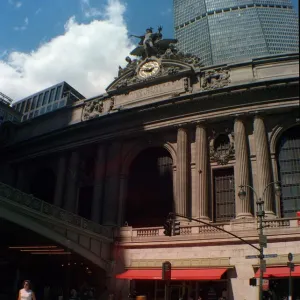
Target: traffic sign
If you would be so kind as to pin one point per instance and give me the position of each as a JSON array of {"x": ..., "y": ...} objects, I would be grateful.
[
  {"x": 265, "y": 285},
  {"x": 257, "y": 256},
  {"x": 270, "y": 255},
  {"x": 166, "y": 270},
  {"x": 263, "y": 240},
  {"x": 252, "y": 256}
]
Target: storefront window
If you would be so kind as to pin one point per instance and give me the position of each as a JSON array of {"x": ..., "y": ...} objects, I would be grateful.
[{"x": 185, "y": 290}]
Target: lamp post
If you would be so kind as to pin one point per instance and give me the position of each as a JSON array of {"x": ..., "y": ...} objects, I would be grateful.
[{"x": 260, "y": 213}]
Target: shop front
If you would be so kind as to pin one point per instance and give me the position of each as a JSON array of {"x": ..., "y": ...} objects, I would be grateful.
[
  {"x": 277, "y": 278},
  {"x": 207, "y": 283}
]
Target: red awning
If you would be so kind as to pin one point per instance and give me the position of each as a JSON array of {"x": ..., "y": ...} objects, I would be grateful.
[
  {"x": 197, "y": 274},
  {"x": 279, "y": 272}
]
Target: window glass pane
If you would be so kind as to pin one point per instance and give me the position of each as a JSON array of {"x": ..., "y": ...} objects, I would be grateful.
[
  {"x": 28, "y": 103},
  {"x": 51, "y": 96},
  {"x": 224, "y": 195},
  {"x": 289, "y": 171},
  {"x": 22, "y": 106},
  {"x": 40, "y": 101},
  {"x": 57, "y": 94},
  {"x": 46, "y": 97},
  {"x": 34, "y": 102}
]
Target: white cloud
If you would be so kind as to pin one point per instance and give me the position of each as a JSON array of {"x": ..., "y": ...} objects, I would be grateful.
[
  {"x": 38, "y": 11},
  {"x": 166, "y": 12},
  {"x": 23, "y": 27},
  {"x": 88, "y": 10},
  {"x": 86, "y": 56},
  {"x": 16, "y": 4}
]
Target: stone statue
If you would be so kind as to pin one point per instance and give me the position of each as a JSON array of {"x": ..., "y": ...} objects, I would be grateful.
[{"x": 151, "y": 43}]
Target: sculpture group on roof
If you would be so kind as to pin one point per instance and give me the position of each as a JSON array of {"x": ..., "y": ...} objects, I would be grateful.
[{"x": 153, "y": 44}]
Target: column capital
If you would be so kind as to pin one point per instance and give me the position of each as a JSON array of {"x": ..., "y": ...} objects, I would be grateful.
[
  {"x": 240, "y": 117},
  {"x": 201, "y": 124},
  {"x": 182, "y": 126},
  {"x": 259, "y": 115}
]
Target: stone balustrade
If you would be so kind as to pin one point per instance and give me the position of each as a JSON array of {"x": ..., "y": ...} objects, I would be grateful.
[
  {"x": 52, "y": 211},
  {"x": 244, "y": 229}
]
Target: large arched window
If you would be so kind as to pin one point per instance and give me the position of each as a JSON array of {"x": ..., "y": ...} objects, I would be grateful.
[
  {"x": 150, "y": 188},
  {"x": 289, "y": 171},
  {"x": 43, "y": 184}
]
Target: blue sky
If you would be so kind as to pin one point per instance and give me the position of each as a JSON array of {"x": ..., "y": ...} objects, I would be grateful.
[
  {"x": 46, "y": 19},
  {"x": 83, "y": 42}
]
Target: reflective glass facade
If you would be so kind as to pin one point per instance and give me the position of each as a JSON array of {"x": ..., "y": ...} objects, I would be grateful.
[
  {"x": 47, "y": 100},
  {"x": 221, "y": 31}
]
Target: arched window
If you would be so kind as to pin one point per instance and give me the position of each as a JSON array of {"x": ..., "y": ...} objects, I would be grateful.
[
  {"x": 289, "y": 171},
  {"x": 150, "y": 188},
  {"x": 43, "y": 184}
]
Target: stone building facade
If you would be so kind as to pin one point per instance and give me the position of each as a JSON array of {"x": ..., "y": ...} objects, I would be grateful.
[{"x": 171, "y": 135}]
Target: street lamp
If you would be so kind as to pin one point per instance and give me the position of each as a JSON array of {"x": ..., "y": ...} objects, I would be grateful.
[{"x": 260, "y": 213}]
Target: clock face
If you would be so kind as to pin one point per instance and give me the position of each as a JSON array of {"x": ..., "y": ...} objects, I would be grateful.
[{"x": 148, "y": 69}]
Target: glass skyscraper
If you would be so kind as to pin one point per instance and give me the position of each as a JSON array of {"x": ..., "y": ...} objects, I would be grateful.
[{"x": 222, "y": 31}]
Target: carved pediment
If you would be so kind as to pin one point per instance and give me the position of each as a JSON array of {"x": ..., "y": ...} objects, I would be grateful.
[{"x": 150, "y": 71}]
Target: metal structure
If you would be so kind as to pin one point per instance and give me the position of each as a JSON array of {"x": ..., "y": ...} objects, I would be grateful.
[
  {"x": 260, "y": 213},
  {"x": 262, "y": 238},
  {"x": 220, "y": 31}
]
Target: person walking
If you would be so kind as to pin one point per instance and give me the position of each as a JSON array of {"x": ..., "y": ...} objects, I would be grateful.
[{"x": 26, "y": 292}]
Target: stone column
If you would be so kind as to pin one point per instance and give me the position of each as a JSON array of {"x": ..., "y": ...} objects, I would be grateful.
[
  {"x": 60, "y": 180},
  {"x": 98, "y": 184},
  {"x": 241, "y": 172},
  {"x": 122, "y": 198},
  {"x": 263, "y": 164},
  {"x": 72, "y": 188},
  {"x": 182, "y": 172},
  {"x": 200, "y": 207},
  {"x": 112, "y": 185}
]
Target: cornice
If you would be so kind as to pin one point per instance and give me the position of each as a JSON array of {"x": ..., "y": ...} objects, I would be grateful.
[{"x": 162, "y": 123}]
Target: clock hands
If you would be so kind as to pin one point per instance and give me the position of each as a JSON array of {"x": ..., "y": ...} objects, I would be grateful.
[{"x": 148, "y": 69}]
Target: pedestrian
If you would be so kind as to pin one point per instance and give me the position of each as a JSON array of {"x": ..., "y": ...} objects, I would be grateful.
[{"x": 26, "y": 292}]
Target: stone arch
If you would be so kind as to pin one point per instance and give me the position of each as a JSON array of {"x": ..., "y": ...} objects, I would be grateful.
[
  {"x": 42, "y": 228},
  {"x": 288, "y": 162},
  {"x": 128, "y": 158},
  {"x": 138, "y": 147},
  {"x": 275, "y": 137},
  {"x": 277, "y": 133}
]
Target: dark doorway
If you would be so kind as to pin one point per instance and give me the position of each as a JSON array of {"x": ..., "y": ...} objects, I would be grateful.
[
  {"x": 43, "y": 185},
  {"x": 150, "y": 189}
]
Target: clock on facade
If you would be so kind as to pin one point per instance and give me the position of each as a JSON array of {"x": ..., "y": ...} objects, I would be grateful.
[{"x": 149, "y": 69}]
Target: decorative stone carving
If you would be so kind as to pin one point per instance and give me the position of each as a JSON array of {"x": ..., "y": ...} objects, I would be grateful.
[
  {"x": 225, "y": 151},
  {"x": 111, "y": 103},
  {"x": 174, "y": 54},
  {"x": 92, "y": 109},
  {"x": 215, "y": 79},
  {"x": 131, "y": 66},
  {"x": 165, "y": 60}
]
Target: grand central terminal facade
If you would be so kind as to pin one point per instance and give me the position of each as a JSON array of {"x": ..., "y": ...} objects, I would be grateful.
[{"x": 100, "y": 176}]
